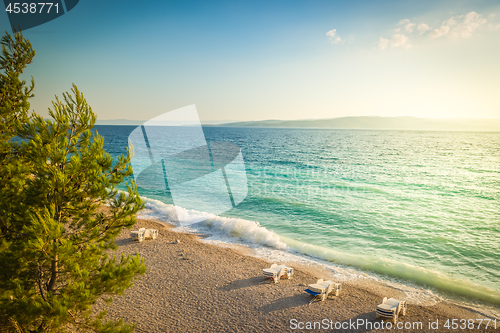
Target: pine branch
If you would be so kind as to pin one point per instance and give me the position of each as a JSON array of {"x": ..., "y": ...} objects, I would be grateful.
[{"x": 40, "y": 276}]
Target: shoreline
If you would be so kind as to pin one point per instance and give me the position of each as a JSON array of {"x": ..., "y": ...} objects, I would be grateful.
[
  {"x": 322, "y": 268},
  {"x": 268, "y": 245},
  {"x": 196, "y": 286}
]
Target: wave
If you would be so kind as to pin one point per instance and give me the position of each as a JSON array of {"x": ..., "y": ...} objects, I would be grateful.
[{"x": 245, "y": 230}]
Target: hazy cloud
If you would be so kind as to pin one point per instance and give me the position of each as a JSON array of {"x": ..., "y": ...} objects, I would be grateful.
[
  {"x": 461, "y": 26},
  {"x": 493, "y": 26},
  {"x": 441, "y": 31},
  {"x": 333, "y": 37},
  {"x": 471, "y": 23},
  {"x": 409, "y": 27},
  {"x": 398, "y": 40},
  {"x": 456, "y": 27},
  {"x": 383, "y": 43},
  {"x": 422, "y": 28}
]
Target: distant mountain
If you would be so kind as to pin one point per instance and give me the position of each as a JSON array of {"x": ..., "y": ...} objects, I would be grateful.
[
  {"x": 375, "y": 122},
  {"x": 140, "y": 122},
  {"x": 367, "y": 122},
  {"x": 119, "y": 122}
]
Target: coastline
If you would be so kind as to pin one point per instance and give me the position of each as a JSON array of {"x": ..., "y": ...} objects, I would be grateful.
[{"x": 194, "y": 286}]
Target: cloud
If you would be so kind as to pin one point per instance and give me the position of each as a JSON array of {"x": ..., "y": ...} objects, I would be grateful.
[
  {"x": 455, "y": 27},
  {"x": 333, "y": 37},
  {"x": 472, "y": 22},
  {"x": 441, "y": 31},
  {"x": 422, "y": 28},
  {"x": 452, "y": 21},
  {"x": 409, "y": 27},
  {"x": 398, "y": 40},
  {"x": 383, "y": 43},
  {"x": 462, "y": 26},
  {"x": 493, "y": 26}
]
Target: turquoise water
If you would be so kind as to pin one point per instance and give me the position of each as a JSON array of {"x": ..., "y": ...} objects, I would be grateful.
[{"x": 417, "y": 206}]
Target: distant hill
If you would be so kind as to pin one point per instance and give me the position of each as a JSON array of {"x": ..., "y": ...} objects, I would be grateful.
[
  {"x": 140, "y": 122},
  {"x": 119, "y": 122},
  {"x": 375, "y": 122},
  {"x": 367, "y": 122}
]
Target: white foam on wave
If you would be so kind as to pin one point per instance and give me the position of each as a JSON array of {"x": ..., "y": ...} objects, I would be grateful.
[{"x": 218, "y": 227}]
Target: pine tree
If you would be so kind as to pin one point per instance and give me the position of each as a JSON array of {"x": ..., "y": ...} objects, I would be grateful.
[
  {"x": 17, "y": 53},
  {"x": 56, "y": 243}
]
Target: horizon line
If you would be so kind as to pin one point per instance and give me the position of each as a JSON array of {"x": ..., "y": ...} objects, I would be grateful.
[{"x": 311, "y": 119}]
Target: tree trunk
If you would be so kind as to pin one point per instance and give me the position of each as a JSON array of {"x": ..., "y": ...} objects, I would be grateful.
[{"x": 53, "y": 275}]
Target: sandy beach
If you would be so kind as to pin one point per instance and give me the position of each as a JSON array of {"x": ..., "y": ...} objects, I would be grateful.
[{"x": 191, "y": 286}]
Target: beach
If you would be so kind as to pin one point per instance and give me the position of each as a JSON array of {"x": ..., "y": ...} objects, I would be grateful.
[{"x": 191, "y": 286}]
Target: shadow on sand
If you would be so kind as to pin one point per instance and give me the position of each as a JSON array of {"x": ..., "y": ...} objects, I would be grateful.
[
  {"x": 245, "y": 283},
  {"x": 124, "y": 241},
  {"x": 286, "y": 303}
]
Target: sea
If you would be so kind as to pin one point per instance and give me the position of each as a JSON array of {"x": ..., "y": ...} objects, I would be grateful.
[{"x": 418, "y": 208}]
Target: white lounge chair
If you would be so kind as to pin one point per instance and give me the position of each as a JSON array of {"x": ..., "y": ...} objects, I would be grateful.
[
  {"x": 151, "y": 234},
  {"x": 391, "y": 308},
  {"x": 143, "y": 234},
  {"x": 322, "y": 289},
  {"x": 277, "y": 272}
]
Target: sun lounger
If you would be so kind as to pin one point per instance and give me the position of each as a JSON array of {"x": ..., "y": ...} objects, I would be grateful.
[
  {"x": 322, "y": 289},
  {"x": 391, "y": 308},
  {"x": 143, "y": 234},
  {"x": 277, "y": 272},
  {"x": 138, "y": 235},
  {"x": 150, "y": 234}
]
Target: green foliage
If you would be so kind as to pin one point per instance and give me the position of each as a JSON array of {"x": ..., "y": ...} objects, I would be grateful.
[
  {"x": 17, "y": 52},
  {"x": 55, "y": 242}
]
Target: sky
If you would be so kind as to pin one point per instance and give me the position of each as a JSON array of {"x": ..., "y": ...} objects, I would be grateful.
[{"x": 257, "y": 60}]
